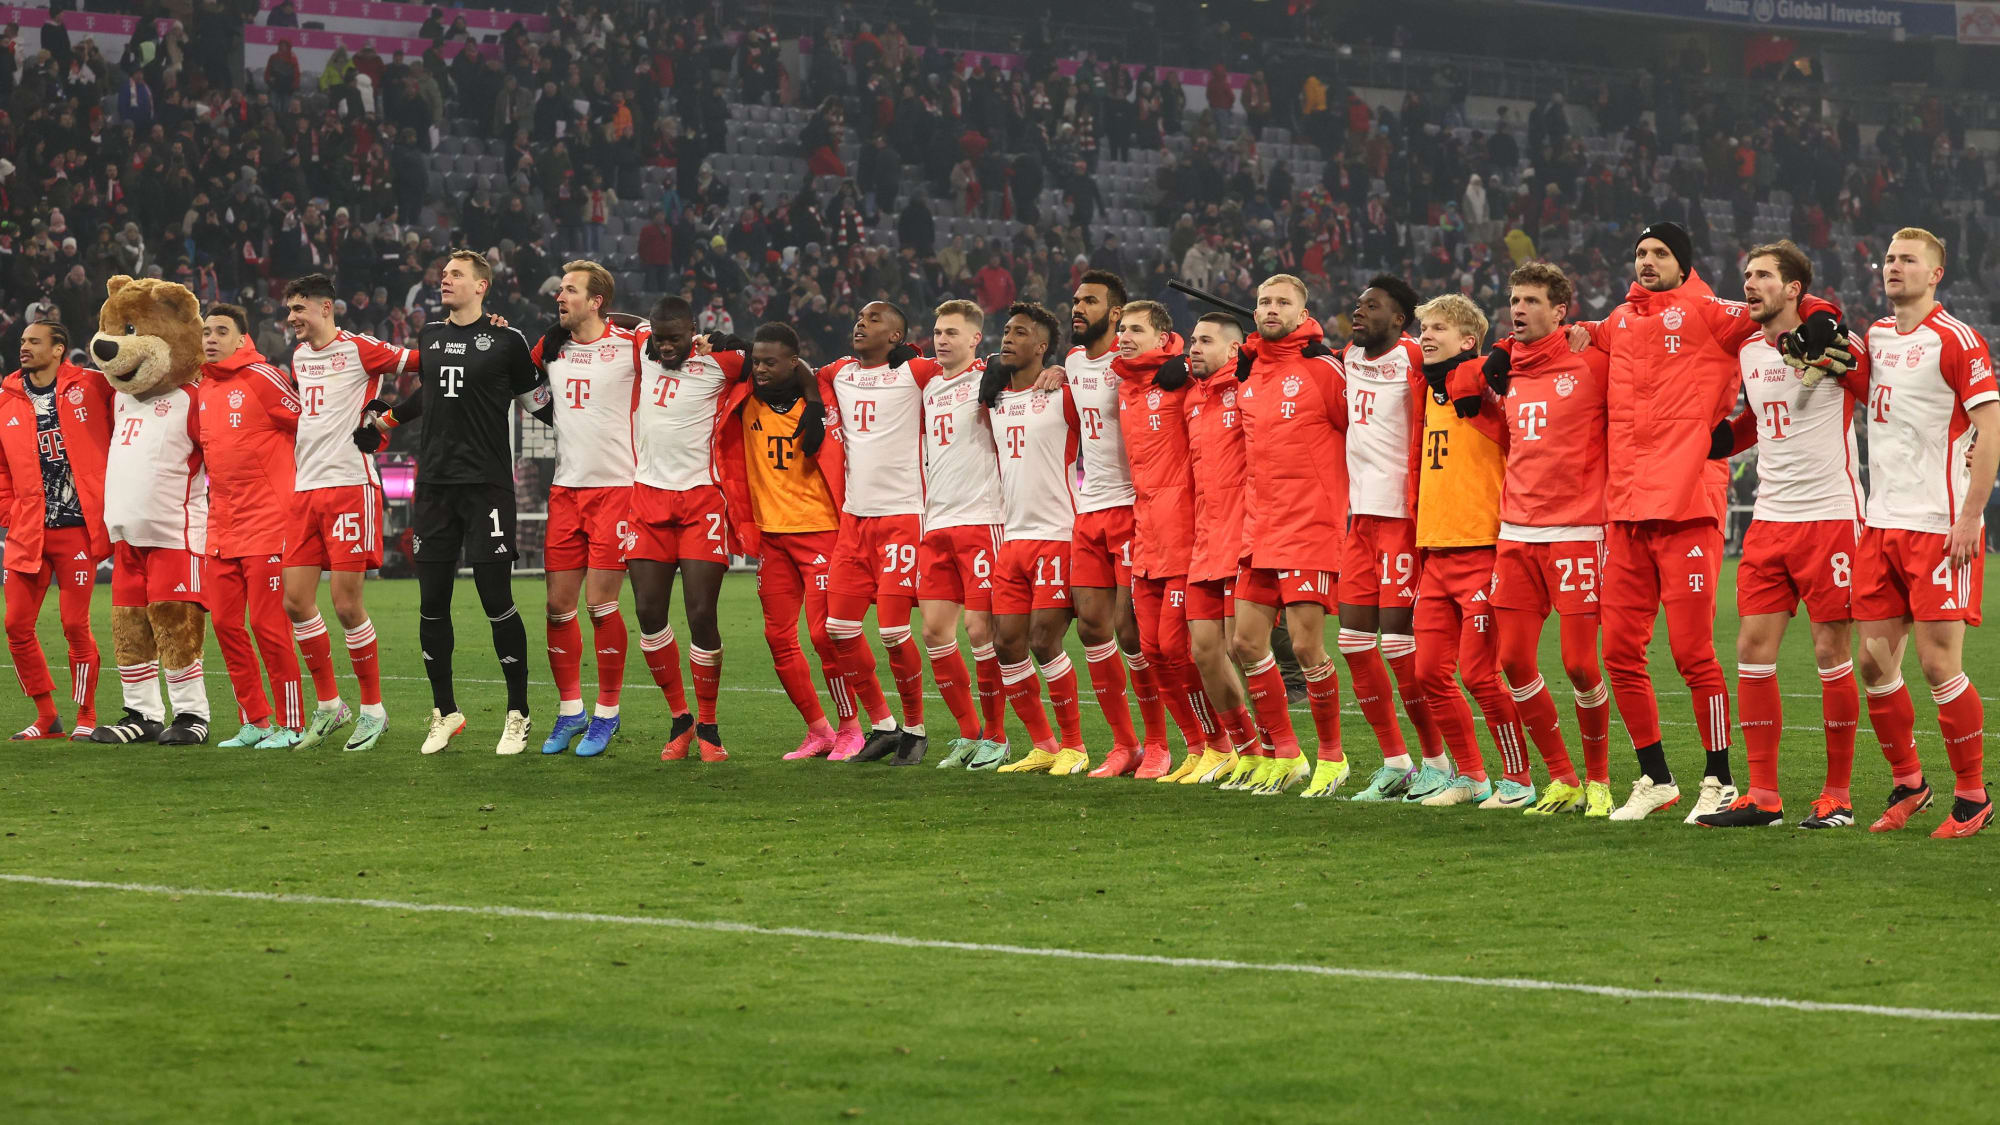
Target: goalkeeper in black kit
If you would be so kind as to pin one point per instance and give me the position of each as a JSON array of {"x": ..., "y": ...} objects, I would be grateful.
[{"x": 473, "y": 372}]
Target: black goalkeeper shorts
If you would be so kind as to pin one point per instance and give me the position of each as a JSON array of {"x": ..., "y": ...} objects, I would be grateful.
[{"x": 473, "y": 521}]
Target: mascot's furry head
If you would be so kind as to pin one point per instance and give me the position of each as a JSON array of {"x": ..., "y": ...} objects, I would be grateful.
[{"x": 148, "y": 336}]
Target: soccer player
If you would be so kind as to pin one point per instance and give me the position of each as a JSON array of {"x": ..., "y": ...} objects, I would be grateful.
[
  {"x": 879, "y": 393},
  {"x": 680, "y": 522},
  {"x": 1670, "y": 386},
  {"x": 1920, "y": 564},
  {"x": 337, "y": 515},
  {"x": 1460, "y": 466},
  {"x": 248, "y": 413},
  {"x": 1037, "y": 431},
  {"x": 1551, "y": 548},
  {"x": 1214, "y": 425},
  {"x": 1800, "y": 545},
  {"x": 1385, "y": 389},
  {"x": 781, "y": 470},
  {"x": 53, "y": 442},
  {"x": 1101, "y": 552},
  {"x": 961, "y": 540},
  {"x": 592, "y": 367},
  {"x": 1294, "y": 400},
  {"x": 473, "y": 373},
  {"x": 1151, "y": 373}
]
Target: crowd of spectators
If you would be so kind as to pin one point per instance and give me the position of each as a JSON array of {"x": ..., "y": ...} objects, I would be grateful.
[{"x": 175, "y": 160}]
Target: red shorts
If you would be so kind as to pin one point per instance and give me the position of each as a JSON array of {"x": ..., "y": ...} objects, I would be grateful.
[
  {"x": 1786, "y": 563},
  {"x": 1101, "y": 549},
  {"x": 1540, "y": 576},
  {"x": 588, "y": 527},
  {"x": 1379, "y": 561},
  {"x": 672, "y": 526},
  {"x": 143, "y": 575},
  {"x": 1030, "y": 576},
  {"x": 1280, "y": 588},
  {"x": 1906, "y": 573},
  {"x": 336, "y": 528},
  {"x": 1214, "y": 600},
  {"x": 792, "y": 571},
  {"x": 955, "y": 564},
  {"x": 1460, "y": 578},
  {"x": 876, "y": 557}
]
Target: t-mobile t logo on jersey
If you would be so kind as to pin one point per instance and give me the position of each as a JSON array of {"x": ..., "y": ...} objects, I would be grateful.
[
  {"x": 577, "y": 391},
  {"x": 1531, "y": 417},
  {"x": 1362, "y": 408},
  {"x": 450, "y": 379},
  {"x": 670, "y": 387},
  {"x": 1878, "y": 403},
  {"x": 1017, "y": 440},
  {"x": 1287, "y": 408},
  {"x": 864, "y": 414},
  {"x": 131, "y": 430},
  {"x": 1777, "y": 419},
  {"x": 780, "y": 450},
  {"x": 315, "y": 395},
  {"x": 1093, "y": 423},
  {"x": 1436, "y": 445},
  {"x": 941, "y": 429},
  {"x": 51, "y": 443}
]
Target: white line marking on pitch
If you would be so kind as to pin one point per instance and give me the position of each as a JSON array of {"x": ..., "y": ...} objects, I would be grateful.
[{"x": 1520, "y": 984}]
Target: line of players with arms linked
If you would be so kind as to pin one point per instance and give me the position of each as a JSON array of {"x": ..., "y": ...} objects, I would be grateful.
[{"x": 1174, "y": 497}]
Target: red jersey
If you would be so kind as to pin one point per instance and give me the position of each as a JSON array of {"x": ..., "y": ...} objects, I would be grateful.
[
  {"x": 249, "y": 415},
  {"x": 1215, "y": 460},
  {"x": 83, "y": 418},
  {"x": 1554, "y": 427},
  {"x": 1295, "y": 450},
  {"x": 1156, "y": 441}
]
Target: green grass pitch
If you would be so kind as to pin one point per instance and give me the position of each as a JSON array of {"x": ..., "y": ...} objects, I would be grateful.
[{"x": 122, "y": 1005}]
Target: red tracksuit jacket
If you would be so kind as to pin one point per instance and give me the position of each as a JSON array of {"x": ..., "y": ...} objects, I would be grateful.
[
  {"x": 84, "y": 411},
  {"x": 249, "y": 414}
]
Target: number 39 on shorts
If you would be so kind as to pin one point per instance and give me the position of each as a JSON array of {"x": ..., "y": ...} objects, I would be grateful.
[{"x": 898, "y": 557}]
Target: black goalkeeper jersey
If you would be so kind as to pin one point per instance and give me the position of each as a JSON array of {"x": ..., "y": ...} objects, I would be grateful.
[{"x": 472, "y": 376}]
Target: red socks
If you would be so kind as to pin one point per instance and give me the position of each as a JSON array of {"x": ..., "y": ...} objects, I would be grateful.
[
  {"x": 1024, "y": 692},
  {"x": 1107, "y": 679},
  {"x": 1399, "y": 652},
  {"x": 566, "y": 655},
  {"x": 607, "y": 632},
  {"x": 663, "y": 660},
  {"x": 948, "y": 672},
  {"x": 1537, "y": 712},
  {"x": 1175, "y": 679},
  {"x": 1146, "y": 693},
  {"x": 706, "y": 665},
  {"x": 1266, "y": 686},
  {"x": 362, "y": 655},
  {"x": 1962, "y": 718},
  {"x": 1593, "y": 723},
  {"x": 1241, "y": 730},
  {"x": 1895, "y": 723},
  {"x": 908, "y": 669},
  {"x": 796, "y": 679},
  {"x": 1840, "y": 712},
  {"x": 1323, "y": 696},
  {"x": 1061, "y": 678},
  {"x": 316, "y": 650},
  {"x": 992, "y": 694},
  {"x": 1371, "y": 689},
  {"x": 857, "y": 667},
  {"x": 1762, "y": 717}
]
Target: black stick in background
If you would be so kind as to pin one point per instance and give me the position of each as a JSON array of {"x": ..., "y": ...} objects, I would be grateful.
[{"x": 1230, "y": 307}]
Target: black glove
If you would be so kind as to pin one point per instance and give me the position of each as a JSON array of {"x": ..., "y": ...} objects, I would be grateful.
[
  {"x": 994, "y": 380},
  {"x": 1315, "y": 349},
  {"x": 1499, "y": 369},
  {"x": 553, "y": 341},
  {"x": 729, "y": 342},
  {"x": 1821, "y": 331},
  {"x": 1243, "y": 362},
  {"x": 1467, "y": 406},
  {"x": 367, "y": 438},
  {"x": 1720, "y": 440},
  {"x": 812, "y": 429},
  {"x": 1173, "y": 374},
  {"x": 902, "y": 354},
  {"x": 376, "y": 406}
]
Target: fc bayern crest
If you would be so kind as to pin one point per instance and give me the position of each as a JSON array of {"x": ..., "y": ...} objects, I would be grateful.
[
  {"x": 1039, "y": 403},
  {"x": 1292, "y": 385},
  {"x": 483, "y": 342},
  {"x": 236, "y": 400},
  {"x": 1229, "y": 397},
  {"x": 162, "y": 408},
  {"x": 1153, "y": 399},
  {"x": 1914, "y": 356},
  {"x": 76, "y": 396},
  {"x": 607, "y": 352},
  {"x": 1565, "y": 383},
  {"x": 1672, "y": 319}
]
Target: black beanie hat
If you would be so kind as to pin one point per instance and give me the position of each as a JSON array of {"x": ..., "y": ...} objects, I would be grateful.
[{"x": 1676, "y": 238}]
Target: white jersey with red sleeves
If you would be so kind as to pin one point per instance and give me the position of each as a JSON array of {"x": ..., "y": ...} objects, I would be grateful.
[
  {"x": 335, "y": 382},
  {"x": 155, "y": 483},
  {"x": 1806, "y": 465},
  {"x": 596, "y": 400},
  {"x": 674, "y": 419},
  {"x": 1380, "y": 409},
  {"x": 961, "y": 488},
  {"x": 1037, "y": 432},
  {"x": 1920, "y": 385},
  {"x": 1107, "y": 475},
  {"x": 882, "y": 422}
]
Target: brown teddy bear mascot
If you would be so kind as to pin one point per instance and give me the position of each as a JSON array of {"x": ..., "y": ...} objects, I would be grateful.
[{"x": 148, "y": 345}]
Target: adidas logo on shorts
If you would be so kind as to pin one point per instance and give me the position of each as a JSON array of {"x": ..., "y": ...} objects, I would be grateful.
[
  {"x": 819, "y": 560},
  {"x": 81, "y": 557},
  {"x": 180, "y": 588},
  {"x": 1694, "y": 553}
]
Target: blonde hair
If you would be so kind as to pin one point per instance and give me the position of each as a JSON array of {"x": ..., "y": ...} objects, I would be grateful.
[
  {"x": 1305, "y": 295},
  {"x": 1919, "y": 234},
  {"x": 1458, "y": 311},
  {"x": 961, "y": 307},
  {"x": 481, "y": 268},
  {"x": 1155, "y": 313},
  {"x": 601, "y": 283}
]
